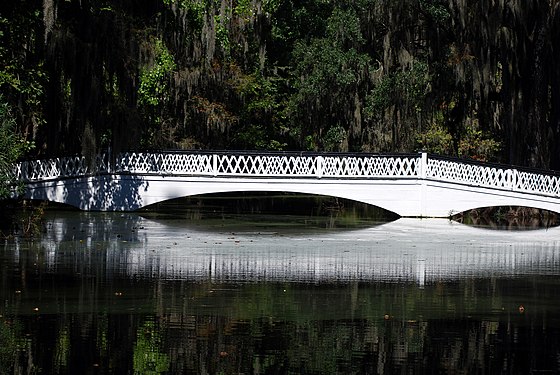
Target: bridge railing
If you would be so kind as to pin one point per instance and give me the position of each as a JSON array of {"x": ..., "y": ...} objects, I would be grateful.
[
  {"x": 297, "y": 165},
  {"x": 492, "y": 176},
  {"x": 271, "y": 165},
  {"x": 546, "y": 184},
  {"x": 443, "y": 169},
  {"x": 164, "y": 163},
  {"x": 56, "y": 168}
]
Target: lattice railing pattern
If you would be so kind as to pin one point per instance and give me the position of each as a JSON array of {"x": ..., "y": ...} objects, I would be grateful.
[
  {"x": 38, "y": 170},
  {"x": 295, "y": 165},
  {"x": 265, "y": 165},
  {"x": 542, "y": 183},
  {"x": 472, "y": 174},
  {"x": 164, "y": 163},
  {"x": 371, "y": 166},
  {"x": 223, "y": 164},
  {"x": 493, "y": 177}
]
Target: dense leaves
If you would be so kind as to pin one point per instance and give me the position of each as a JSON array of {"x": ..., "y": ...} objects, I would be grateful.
[
  {"x": 473, "y": 80},
  {"x": 12, "y": 147}
]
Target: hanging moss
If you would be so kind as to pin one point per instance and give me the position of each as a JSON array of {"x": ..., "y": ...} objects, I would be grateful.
[{"x": 284, "y": 74}]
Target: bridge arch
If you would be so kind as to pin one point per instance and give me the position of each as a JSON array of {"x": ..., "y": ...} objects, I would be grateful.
[{"x": 307, "y": 192}]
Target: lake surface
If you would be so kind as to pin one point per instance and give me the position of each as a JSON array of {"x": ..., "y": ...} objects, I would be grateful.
[{"x": 102, "y": 293}]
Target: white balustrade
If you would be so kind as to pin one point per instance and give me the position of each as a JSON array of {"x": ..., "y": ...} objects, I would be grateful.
[
  {"x": 470, "y": 174},
  {"x": 266, "y": 165},
  {"x": 164, "y": 163},
  {"x": 295, "y": 165},
  {"x": 535, "y": 182}
]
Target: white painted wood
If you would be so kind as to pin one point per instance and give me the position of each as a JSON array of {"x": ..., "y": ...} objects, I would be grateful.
[{"x": 411, "y": 186}]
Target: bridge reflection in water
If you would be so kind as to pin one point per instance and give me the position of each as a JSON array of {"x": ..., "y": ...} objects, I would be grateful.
[
  {"x": 100, "y": 290},
  {"x": 420, "y": 251}
]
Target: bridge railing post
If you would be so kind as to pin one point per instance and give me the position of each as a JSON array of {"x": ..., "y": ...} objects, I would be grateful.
[
  {"x": 422, "y": 175},
  {"x": 215, "y": 165},
  {"x": 424, "y": 165},
  {"x": 511, "y": 179},
  {"x": 21, "y": 170},
  {"x": 109, "y": 156},
  {"x": 319, "y": 167}
]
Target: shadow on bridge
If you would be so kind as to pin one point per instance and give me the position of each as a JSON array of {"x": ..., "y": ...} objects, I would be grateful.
[
  {"x": 411, "y": 185},
  {"x": 92, "y": 193}
]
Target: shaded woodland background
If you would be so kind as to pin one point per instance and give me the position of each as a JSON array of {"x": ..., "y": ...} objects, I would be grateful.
[{"x": 476, "y": 79}]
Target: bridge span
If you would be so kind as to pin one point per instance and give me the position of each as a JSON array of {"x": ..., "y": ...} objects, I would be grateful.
[{"x": 411, "y": 185}]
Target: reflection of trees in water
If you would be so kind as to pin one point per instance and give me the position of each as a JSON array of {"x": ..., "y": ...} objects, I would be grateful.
[
  {"x": 323, "y": 211},
  {"x": 219, "y": 344},
  {"x": 512, "y": 218},
  {"x": 10, "y": 338},
  {"x": 148, "y": 357},
  {"x": 96, "y": 314},
  {"x": 185, "y": 327}
]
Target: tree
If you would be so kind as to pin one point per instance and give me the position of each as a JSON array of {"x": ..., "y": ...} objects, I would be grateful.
[
  {"x": 358, "y": 75},
  {"x": 12, "y": 147},
  {"x": 329, "y": 75}
]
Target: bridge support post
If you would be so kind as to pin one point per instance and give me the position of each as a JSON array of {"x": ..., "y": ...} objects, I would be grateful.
[
  {"x": 319, "y": 167},
  {"x": 215, "y": 165},
  {"x": 511, "y": 179},
  {"x": 422, "y": 175},
  {"x": 423, "y": 165}
]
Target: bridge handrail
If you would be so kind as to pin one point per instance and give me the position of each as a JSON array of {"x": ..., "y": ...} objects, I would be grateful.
[
  {"x": 64, "y": 167},
  {"x": 297, "y": 165},
  {"x": 271, "y": 164},
  {"x": 493, "y": 175}
]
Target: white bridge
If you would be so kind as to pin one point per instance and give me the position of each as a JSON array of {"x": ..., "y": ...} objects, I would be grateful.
[{"x": 411, "y": 185}]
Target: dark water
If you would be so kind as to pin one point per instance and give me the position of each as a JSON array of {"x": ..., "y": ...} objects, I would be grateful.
[{"x": 219, "y": 294}]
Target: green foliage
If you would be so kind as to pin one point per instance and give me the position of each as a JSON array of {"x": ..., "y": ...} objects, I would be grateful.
[
  {"x": 154, "y": 81},
  {"x": 323, "y": 66},
  {"x": 195, "y": 11},
  {"x": 333, "y": 63},
  {"x": 147, "y": 356},
  {"x": 381, "y": 97},
  {"x": 154, "y": 96},
  {"x": 327, "y": 72},
  {"x": 8, "y": 346},
  {"x": 436, "y": 139},
  {"x": 258, "y": 93},
  {"x": 222, "y": 33},
  {"x": 407, "y": 86},
  {"x": 22, "y": 73},
  {"x": 257, "y": 137},
  {"x": 475, "y": 144},
  {"x": 271, "y": 6},
  {"x": 12, "y": 148},
  {"x": 244, "y": 8},
  {"x": 334, "y": 137},
  {"x": 260, "y": 114},
  {"x": 472, "y": 142},
  {"x": 310, "y": 144},
  {"x": 315, "y": 74},
  {"x": 344, "y": 28},
  {"x": 437, "y": 10}
]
